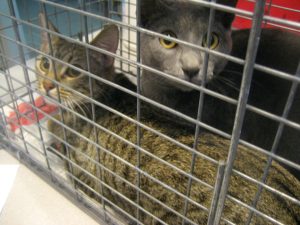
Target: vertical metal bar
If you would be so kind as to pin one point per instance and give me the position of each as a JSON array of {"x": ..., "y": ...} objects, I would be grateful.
[
  {"x": 3, "y": 118},
  {"x": 99, "y": 170},
  {"x": 110, "y": 8},
  {"x": 200, "y": 104},
  {"x": 27, "y": 79},
  {"x": 15, "y": 107},
  {"x": 44, "y": 10},
  {"x": 26, "y": 7},
  {"x": 4, "y": 65},
  {"x": 138, "y": 102},
  {"x": 69, "y": 23},
  {"x": 121, "y": 48},
  {"x": 3, "y": 122},
  {"x": 279, "y": 132},
  {"x": 106, "y": 12},
  {"x": 129, "y": 46},
  {"x": 242, "y": 102},
  {"x": 56, "y": 16},
  {"x": 267, "y": 12},
  {"x": 217, "y": 189}
]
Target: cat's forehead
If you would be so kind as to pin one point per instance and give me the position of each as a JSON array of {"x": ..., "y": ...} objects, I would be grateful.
[
  {"x": 66, "y": 50},
  {"x": 183, "y": 21}
]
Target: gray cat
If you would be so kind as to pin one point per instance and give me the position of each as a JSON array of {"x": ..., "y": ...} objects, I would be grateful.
[
  {"x": 189, "y": 24},
  {"x": 112, "y": 173},
  {"x": 188, "y": 21}
]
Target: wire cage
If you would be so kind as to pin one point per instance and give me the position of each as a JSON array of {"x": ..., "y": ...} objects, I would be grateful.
[{"x": 25, "y": 134}]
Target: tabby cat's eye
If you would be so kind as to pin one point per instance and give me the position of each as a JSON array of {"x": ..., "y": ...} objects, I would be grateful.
[
  {"x": 72, "y": 72},
  {"x": 45, "y": 64},
  {"x": 166, "y": 43},
  {"x": 214, "y": 42}
]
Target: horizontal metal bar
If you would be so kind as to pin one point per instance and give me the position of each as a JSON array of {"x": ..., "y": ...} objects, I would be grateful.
[
  {"x": 268, "y": 153},
  {"x": 255, "y": 211},
  {"x": 279, "y": 7},
  {"x": 275, "y": 25},
  {"x": 269, "y": 188}
]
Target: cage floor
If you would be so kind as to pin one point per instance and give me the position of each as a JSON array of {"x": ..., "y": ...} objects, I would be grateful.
[{"x": 32, "y": 201}]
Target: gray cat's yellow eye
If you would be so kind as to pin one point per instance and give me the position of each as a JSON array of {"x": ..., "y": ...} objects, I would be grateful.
[
  {"x": 214, "y": 42},
  {"x": 45, "y": 64},
  {"x": 72, "y": 72},
  {"x": 166, "y": 43}
]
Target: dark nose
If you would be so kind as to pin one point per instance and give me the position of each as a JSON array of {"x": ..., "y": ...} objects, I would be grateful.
[
  {"x": 48, "y": 85},
  {"x": 191, "y": 72}
]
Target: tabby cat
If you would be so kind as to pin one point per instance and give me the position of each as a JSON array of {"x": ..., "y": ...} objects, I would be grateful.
[
  {"x": 188, "y": 21},
  {"x": 116, "y": 166}
]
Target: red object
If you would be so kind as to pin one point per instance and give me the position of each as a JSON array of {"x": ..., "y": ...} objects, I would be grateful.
[
  {"x": 284, "y": 9},
  {"x": 26, "y": 111}
]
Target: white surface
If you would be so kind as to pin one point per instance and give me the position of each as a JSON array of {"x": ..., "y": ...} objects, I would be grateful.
[
  {"x": 7, "y": 177},
  {"x": 33, "y": 202}
]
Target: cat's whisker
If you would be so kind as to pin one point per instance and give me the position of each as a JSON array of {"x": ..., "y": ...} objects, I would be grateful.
[
  {"x": 218, "y": 88},
  {"x": 83, "y": 103},
  {"x": 79, "y": 107},
  {"x": 233, "y": 72},
  {"x": 227, "y": 82},
  {"x": 241, "y": 74},
  {"x": 104, "y": 94},
  {"x": 72, "y": 106}
]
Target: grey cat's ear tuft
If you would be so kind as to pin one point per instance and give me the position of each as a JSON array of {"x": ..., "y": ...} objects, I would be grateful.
[
  {"x": 108, "y": 39},
  {"x": 44, "y": 34},
  {"x": 226, "y": 18}
]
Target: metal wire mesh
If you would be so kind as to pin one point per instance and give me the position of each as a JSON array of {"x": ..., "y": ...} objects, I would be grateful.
[{"x": 78, "y": 22}]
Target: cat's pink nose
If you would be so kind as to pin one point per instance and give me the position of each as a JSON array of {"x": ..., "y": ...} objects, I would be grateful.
[{"x": 48, "y": 85}]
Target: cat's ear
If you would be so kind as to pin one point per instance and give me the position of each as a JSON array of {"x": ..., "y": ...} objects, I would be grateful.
[
  {"x": 226, "y": 18},
  {"x": 44, "y": 34},
  {"x": 107, "y": 39}
]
